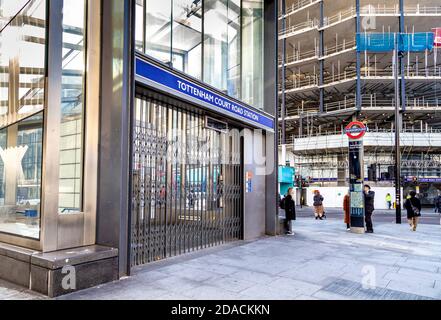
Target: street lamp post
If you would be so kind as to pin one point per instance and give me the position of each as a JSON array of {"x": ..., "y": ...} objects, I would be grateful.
[{"x": 397, "y": 132}]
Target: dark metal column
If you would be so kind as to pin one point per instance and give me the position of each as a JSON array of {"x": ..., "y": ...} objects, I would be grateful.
[
  {"x": 117, "y": 90},
  {"x": 397, "y": 130},
  {"x": 401, "y": 60},
  {"x": 271, "y": 96},
  {"x": 358, "y": 66},
  {"x": 321, "y": 54},
  {"x": 283, "y": 78}
]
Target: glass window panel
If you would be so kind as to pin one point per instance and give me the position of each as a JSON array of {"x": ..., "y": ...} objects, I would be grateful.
[
  {"x": 72, "y": 105},
  {"x": 222, "y": 45},
  {"x": 234, "y": 49},
  {"x": 22, "y": 83},
  {"x": 8, "y": 9},
  {"x": 252, "y": 52},
  {"x": 139, "y": 32},
  {"x": 20, "y": 181},
  {"x": 158, "y": 29},
  {"x": 187, "y": 36},
  {"x": 22, "y": 60},
  {"x": 216, "y": 43}
]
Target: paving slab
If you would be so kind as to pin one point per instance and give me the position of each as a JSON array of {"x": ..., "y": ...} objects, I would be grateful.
[{"x": 321, "y": 262}]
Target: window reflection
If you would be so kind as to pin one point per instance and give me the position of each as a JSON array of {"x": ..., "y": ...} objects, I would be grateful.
[
  {"x": 22, "y": 60},
  {"x": 217, "y": 41},
  {"x": 72, "y": 106},
  {"x": 252, "y": 46},
  {"x": 187, "y": 36},
  {"x": 21, "y": 149},
  {"x": 22, "y": 91},
  {"x": 158, "y": 29}
]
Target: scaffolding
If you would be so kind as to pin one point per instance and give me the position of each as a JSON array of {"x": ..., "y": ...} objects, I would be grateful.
[{"x": 327, "y": 80}]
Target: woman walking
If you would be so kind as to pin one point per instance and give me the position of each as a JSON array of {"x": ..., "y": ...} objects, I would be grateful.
[
  {"x": 413, "y": 206},
  {"x": 318, "y": 205},
  {"x": 347, "y": 210}
]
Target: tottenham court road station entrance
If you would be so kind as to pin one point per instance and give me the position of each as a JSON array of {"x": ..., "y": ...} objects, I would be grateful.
[
  {"x": 151, "y": 136},
  {"x": 189, "y": 177}
]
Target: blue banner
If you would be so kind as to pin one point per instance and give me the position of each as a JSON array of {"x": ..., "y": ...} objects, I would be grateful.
[
  {"x": 375, "y": 42},
  {"x": 169, "y": 81},
  {"x": 417, "y": 42},
  {"x": 385, "y": 42}
]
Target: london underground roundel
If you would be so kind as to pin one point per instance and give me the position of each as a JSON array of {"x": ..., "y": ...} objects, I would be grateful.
[{"x": 356, "y": 130}]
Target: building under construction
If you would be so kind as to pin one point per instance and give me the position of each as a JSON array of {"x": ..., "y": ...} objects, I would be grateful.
[{"x": 326, "y": 81}]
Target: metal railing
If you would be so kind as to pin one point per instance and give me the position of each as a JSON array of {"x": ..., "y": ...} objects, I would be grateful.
[
  {"x": 374, "y": 72},
  {"x": 318, "y": 133},
  {"x": 299, "y": 56},
  {"x": 299, "y": 28},
  {"x": 298, "y": 5},
  {"x": 346, "y": 75},
  {"x": 308, "y": 81},
  {"x": 340, "y": 47},
  {"x": 367, "y": 101},
  {"x": 415, "y": 71},
  {"x": 426, "y": 10},
  {"x": 372, "y": 10},
  {"x": 342, "y": 15}
]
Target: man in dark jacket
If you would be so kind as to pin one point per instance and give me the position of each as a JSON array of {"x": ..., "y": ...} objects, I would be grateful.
[
  {"x": 438, "y": 203},
  {"x": 369, "y": 198},
  {"x": 290, "y": 211}
]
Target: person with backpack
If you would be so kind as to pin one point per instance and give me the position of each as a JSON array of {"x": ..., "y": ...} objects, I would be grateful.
[
  {"x": 289, "y": 205},
  {"x": 413, "y": 207},
  {"x": 319, "y": 211}
]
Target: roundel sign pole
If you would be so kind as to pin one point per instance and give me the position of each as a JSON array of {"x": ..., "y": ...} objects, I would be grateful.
[{"x": 356, "y": 131}]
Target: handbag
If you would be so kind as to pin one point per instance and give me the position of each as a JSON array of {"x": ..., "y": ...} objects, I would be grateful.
[{"x": 416, "y": 211}]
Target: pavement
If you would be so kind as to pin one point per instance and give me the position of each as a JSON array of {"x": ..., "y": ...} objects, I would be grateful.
[{"x": 321, "y": 262}]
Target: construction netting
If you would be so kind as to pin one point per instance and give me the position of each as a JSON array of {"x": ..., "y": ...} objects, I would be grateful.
[{"x": 385, "y": 42}]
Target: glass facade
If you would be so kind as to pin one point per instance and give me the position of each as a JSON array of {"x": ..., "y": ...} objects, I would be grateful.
[
  {"x": 219, "y": 42},
  {"x": 23, "y": 72},
  {"x": 72, "y": 106},
  {"x": 22, "y": 91}
]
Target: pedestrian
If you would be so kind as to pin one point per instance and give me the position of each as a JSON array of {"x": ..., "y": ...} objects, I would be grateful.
[
  {"x": 437, "y": 203},
  {"x": 289, "y": 205},
  {"x": 389, "y": 201},
  {"x": 369, "y": 199},
  {"x": 318, "y": 205},
  {"x": 347, "y": 210},
  {"x": 413, "y": 207}
]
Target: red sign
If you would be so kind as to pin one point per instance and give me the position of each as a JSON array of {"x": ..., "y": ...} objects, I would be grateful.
[
  {"x": 437, "y": 32},
  {"x": 356, "y": 130}
]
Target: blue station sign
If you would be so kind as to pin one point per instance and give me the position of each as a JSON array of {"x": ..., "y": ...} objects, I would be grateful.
[{"x": 164, "y": 80}]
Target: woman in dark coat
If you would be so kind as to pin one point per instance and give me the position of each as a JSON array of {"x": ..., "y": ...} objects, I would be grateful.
[
  {"x": 290, "y": 211},
  {"x": 413, "y": 207}
]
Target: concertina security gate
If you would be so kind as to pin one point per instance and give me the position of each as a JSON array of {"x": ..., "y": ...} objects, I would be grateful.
[{"x": 186, "y": 183}]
